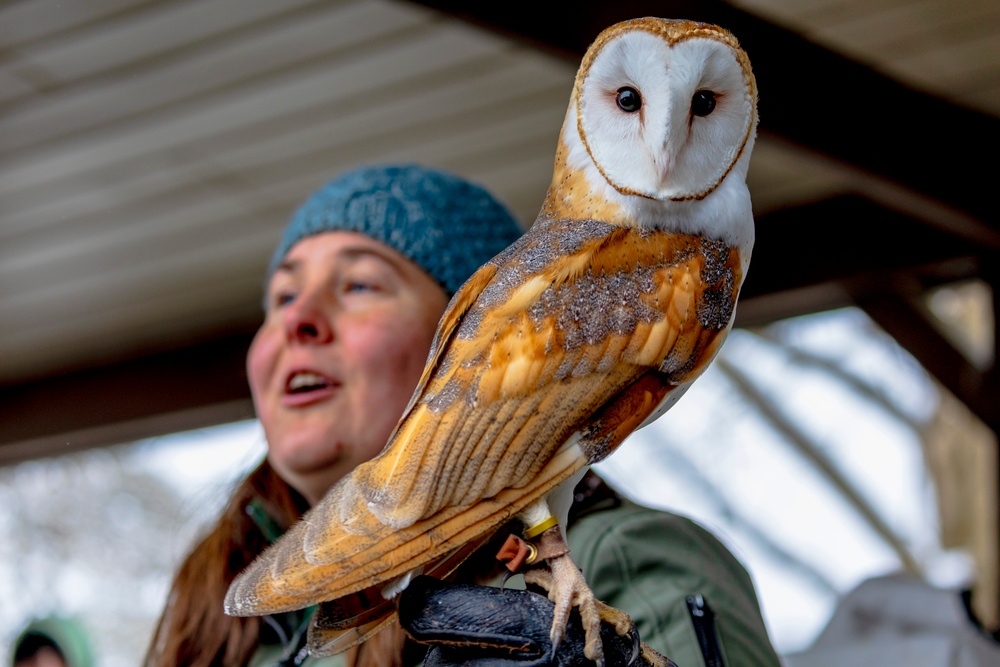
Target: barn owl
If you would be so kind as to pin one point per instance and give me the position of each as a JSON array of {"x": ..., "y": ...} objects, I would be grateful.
[{"x": 588, "y": 327}]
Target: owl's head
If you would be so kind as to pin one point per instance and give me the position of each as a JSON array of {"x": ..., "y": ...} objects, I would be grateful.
[{"x": 665, "y": 109}]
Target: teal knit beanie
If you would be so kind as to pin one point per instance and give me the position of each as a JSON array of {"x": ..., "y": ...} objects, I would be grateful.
[{"x": 446, "y": 225}]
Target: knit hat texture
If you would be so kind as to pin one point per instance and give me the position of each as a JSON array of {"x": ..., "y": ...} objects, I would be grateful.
[{"x": 448, "y": 226}]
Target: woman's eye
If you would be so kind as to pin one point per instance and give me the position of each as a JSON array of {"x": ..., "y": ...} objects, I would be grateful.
[
  {"x": 362, "y": 285},
  {"x": 283, "y": 298},
  {"x": 358, "y": 286},
  {"x": 363, "y": 279}
]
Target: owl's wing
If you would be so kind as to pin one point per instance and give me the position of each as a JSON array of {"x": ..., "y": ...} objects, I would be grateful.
[{"x": 545, "y": 362}]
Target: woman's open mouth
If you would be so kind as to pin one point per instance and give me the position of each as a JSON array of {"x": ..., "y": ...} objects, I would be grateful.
[{"x": 304, "y": 387}]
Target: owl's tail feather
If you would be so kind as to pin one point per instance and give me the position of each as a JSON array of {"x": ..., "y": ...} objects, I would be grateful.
[
  {"x": 323, "y": 641},
  {"x": 340, "y": 624}
]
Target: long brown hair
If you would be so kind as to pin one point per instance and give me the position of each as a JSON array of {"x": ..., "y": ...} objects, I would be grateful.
[{"x": 194, "y": 630}]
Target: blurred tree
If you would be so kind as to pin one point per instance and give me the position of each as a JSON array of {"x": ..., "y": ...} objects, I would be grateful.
[{"x": 95, "y": 535}]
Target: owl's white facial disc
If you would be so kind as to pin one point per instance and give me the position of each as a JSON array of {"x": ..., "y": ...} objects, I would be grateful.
[{"x": 662, "y": 121}]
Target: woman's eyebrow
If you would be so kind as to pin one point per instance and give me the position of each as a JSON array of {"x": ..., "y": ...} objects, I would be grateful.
[
  {"x": 287, "y": 266},
  {"x": 362, "y": 251}
]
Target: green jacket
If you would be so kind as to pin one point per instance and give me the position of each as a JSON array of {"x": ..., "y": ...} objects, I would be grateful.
[
  {"x": 690, "y": 598},
  {"x": 650, "y": 563}
]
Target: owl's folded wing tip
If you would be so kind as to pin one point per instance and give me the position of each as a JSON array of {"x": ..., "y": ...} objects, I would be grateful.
[
  {"x": 237, "y": 602},
  {"x": 249, "y": 595}
]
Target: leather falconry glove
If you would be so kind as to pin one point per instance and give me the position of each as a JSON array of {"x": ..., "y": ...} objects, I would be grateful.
[{"x": 467, "y": 624}]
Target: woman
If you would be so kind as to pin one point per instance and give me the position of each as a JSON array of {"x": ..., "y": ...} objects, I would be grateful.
[{"x": 354, "y": 293}]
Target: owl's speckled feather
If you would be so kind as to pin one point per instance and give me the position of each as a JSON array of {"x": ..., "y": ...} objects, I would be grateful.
[{"x": 590, "y": 325}]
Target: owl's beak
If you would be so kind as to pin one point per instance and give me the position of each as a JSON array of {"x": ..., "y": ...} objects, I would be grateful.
[
  {"x": 664, "y": 161},
  {"x": 663, "y": 175},
  {"x": 664, "y": 169}
]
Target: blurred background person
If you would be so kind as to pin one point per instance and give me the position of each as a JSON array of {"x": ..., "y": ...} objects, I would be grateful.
[{"x": 52, "y": 641}]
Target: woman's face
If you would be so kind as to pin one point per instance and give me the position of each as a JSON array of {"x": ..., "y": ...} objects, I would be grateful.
[{"x": 349, "y": 324}]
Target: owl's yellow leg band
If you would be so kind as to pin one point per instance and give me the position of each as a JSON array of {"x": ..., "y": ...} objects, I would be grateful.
[{"x": 541, "y": 527}]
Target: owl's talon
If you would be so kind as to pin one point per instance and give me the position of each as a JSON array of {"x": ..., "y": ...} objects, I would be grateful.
[{"x": 567, "y": 588}]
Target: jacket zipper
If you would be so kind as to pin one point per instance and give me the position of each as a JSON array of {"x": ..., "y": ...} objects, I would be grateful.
[{"x": 703, "y": 619}]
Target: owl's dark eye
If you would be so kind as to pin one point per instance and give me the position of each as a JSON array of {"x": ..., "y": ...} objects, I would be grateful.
[
  {"x": 629, "y": 100},
  {"x": 703, "y": 103}
]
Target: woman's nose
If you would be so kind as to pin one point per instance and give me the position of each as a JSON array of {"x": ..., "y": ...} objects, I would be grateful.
[{"x": 307, "y": 321}]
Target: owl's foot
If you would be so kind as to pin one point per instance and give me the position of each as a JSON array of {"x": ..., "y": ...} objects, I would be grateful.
[{"x": 567, "y": 588}]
